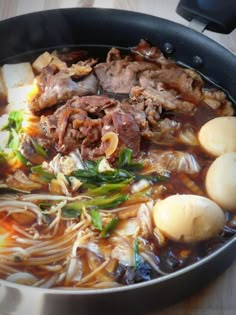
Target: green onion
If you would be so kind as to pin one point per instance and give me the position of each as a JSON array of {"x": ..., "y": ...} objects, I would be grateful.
[
  {"x": 93, "y": 177},
  {"x": 108, "y": 202},
  {"x": 6, "y": 156},
  {"x": 96, "y": 219},
  {"x": 125, "y": 161},
  {"x": 21, "y": 158},
  {"x": 15, "y": 140},
  {"x": 71, "y": 213},
  {"x": 15, "y": 120},
  {"x": 105, "y": 189},
  {"x": 109, "y": 228},
  {"x": 39, "y": 149},
  {"x": 154, "y": 178},
  {"x": 40, "y": 171},
  {"x": 102, "y": 202}
]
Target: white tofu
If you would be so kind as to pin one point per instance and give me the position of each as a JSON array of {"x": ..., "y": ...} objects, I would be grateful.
[
  {"x": 15, "y": 75},
  {"x": 3, "y": 121},
  {"x": 42, "y": 61},
  {"x": 18, "y": 97},
  {"x": 4, "y": 139}
]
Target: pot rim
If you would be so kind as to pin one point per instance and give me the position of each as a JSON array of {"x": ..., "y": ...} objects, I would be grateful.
[
  {"x": 101, "y": 291},
  {"x": 161, "y": 279}
]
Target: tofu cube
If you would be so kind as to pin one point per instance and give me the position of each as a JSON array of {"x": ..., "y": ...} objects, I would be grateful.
[
  {"x": 15, "y": 75},
  {"x": 4, "y": 139},
  {"x": 18, "y": 97}
]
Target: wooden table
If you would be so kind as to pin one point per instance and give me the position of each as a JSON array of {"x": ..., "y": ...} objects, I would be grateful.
[{"x": 218, "y": 298}]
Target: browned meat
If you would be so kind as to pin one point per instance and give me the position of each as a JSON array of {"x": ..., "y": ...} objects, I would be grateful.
[
  {"x": 175, "y": 78},
  {"x": 92, "y": 104},
  {"x": 119, "y": 76},
  {"x": 44, "y": 142},
  {"x": 137, "y": 110},
  {"x": 71, "y": 57},
  {"x": 71, "y": 127},
  {"x": 145, "y": 50},
  {"x": 82, "y": 121},
  {"x": 59, "y": 87},
  {"x": 218, "y": 101},
  {"x": 165, "y": 98},
  {"x": 113, "y": 54},
  {"x": 49, "y": 125},
  {"x": 128, "y": 130},
  {"x": 88, "y": 85}
]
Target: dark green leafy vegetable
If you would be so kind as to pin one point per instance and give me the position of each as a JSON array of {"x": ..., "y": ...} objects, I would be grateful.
[
  {"x": 109, "y": 228},
  {"x": 96, "y": 219},
  {"x": 39, "y": 149}
]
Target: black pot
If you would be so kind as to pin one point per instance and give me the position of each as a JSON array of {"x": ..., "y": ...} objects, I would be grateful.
[{"x": 101, "y": 28}]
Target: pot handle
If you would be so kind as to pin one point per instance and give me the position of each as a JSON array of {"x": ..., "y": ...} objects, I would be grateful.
[{"x": 214, "y": 15}]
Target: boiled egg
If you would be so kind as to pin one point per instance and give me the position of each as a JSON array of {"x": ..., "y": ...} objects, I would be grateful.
[
  {"x": 188, "y": 218},
  {"x": 218, "y": 136},
  {"x": 221, "y": 181}
]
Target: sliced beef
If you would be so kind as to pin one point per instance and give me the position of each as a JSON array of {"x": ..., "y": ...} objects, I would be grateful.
[
  {"x": 88, "y": 85},
  {"x": 49, "y": 125},
  {"x": 165, "y": 98},
  {"x": 59, "y": 87},
  {"x": 71, "y": 57},
  {"x": 128, "y": 130},
  {"x": 145, "y": 51},
  {"x": 92, "y": 104},
  {"x": 113, "y": 54},
  {"x": 78, "y": 124},
  {"x": 137, "y": 110},
  {"x": 119, "y": 76},
  {"x": 82, "y": 121},
  {"x": 218, "y": 101},
  {"x": 175, "y": 78},
  {"x": 146, "y": 114}
]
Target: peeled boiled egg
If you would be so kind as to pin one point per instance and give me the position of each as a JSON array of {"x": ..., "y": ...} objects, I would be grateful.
[
  {"x": 188, "y": 218},
  {"x": 218, "y": 136},
  {"x": 221, "y": 181}
]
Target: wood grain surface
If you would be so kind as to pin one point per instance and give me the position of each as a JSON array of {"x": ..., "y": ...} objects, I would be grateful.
[{"x": 219, "y": 297}]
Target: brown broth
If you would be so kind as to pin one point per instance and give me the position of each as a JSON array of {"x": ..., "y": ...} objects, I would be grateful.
[{"x": 170, "y": 257}]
